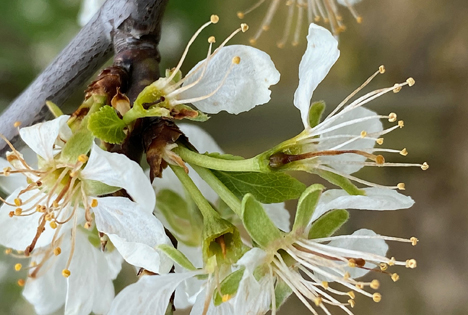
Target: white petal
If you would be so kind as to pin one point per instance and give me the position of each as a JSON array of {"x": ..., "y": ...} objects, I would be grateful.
[
  {"x": 251, "y": 259},
  {"x": 41, "y": 137},
  {"x": 18, "y": 232},
  {"x": 253, "y": 297},
  {"x": 149, "y": 296},
  {"x": 114, "y": 261},
  {"x": 198, "y": 308},
  {"x": 9, "y": 183},
  {"x": 201, "y": 139},
  {"x": 348, "y": 2},
  {"x": 321, "y": 54},
  {"x": 245, "y": 87},
  {"x": 370, "y": 126},
  {"x": 374, "y": 246},
  {"x": 375, "y": 199},
  {"x": 279, "y": 215},
  {"x": 48, "y": 291},
  {"x": 117, "y": 170},
  {"x": 89, "y": 287},
  {"x": 134, "y": 232}
]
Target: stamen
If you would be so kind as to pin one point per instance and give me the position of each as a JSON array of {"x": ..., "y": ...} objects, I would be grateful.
[
  {"x": 57, "y": 251},
  {"x": 404, "y": 152},
  {"x": 66, "y": 273},
  {"x": 395, "y": 277},
  {"x": 83, "y": 158},
  {"x": 21, "y": 282},
  {"x": 53, "y": 225},
  {"x": 414, "y": 241},
  {"x": 401, "y": 186},
  {"x": 17, "y": 124},
  {"x": 375, "y": 284},
  {"x": 18, "y": 267},
  {"x": 411, "y": 263},
  {"x": 424, "y": 166},
  {"x": 377, "y": 297}
]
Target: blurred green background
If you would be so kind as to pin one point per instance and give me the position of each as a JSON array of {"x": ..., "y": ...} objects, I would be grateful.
[{"x": 425, "y": 39}]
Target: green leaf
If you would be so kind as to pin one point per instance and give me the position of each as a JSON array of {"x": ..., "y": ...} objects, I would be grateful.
[
  {"x": 328, "y": 223},
  {"x": 177, "y": 256},
  {"x": 306, "y": 207},
  {"x": 228, "y": 286},
  {"x": 340, "y": 181},
  {"x": 265, "y": 187},
  {"x": 79, "y": 143},
  {"x": 315, "y": 113},
  {"x": 182, "y": 220},
  {"x": 107, "y": 126},
  {"x": 257, "y": 223},
  {"x": 54, "y": 109},
  {"x": 282, "y": 292}
]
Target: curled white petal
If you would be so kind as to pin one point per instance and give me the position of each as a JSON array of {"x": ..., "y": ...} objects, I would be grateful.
[
  {"x": 246, "y": 86},
  {"x": 321, "y": 54},
  {"x": 279, "y": 215}
]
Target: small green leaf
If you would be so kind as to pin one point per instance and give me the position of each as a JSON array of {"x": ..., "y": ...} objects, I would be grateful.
[
  {"x": 265, "y": 187},
  {"x": 107, "y": 126},
  {"x": 315, "y": 113},
  {"x": 177, "y": 256},
  {"x": 282, "y": 292},
  {"x": 257, "y": 223},
  {"x": 340, "y": 181},
  {"x": 306, "y": 207},
  {"x": 228, "y": 286},
  {"x": 79, "y": 143},
  {"x": 54, "y": 109},
  {"x": 328, "y": 223}
]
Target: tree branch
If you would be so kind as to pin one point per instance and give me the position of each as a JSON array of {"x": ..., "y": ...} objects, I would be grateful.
[{"x": 83, "y": 56}]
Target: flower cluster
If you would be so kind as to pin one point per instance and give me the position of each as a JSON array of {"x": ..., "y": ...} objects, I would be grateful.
[{"x": 211, "y": 232}]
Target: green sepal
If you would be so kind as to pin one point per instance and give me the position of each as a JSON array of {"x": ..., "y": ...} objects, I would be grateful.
[
  {"x": 96, "y": 188},
  {"x": 182, "y": 221},
  {"x": 225, "y": 156},
  {"x": 176, "y": 78},
  {"x": 257, "y": 223},
  {"x": 228, "y": 286},
  {"x": 340, "y": 181},
  {"x": 265, "y": 187},
  {"x": 216, "y": 229},
  {"x": 282, "y": 292},
  {"x": 79, "y": 143},
  {"x": 315, "y": 113},
  {"x": 306, "y": 207},
  {"x": 189, "y": 113},
  {"x": 328, "y": 223},
  {"x": 177, "y": 256},
  {"x": 107, "y": 126},
  {"x": 54, "y": 109}
]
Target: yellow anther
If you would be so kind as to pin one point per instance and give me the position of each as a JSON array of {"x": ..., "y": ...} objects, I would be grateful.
[
  {"x": 352, "y": 303},
  {"x": 11, "y": 214},
  {"x": 396, "y": 88},
  {"x": 94, "y": 203},
  {"x": 266, "y": 27},
  {"x": 401, "y": 186},
  {"x": 280, "y": 45},
  {"x": 211, "y": 39},
  {"x": 351, "y": 294},
  {"x": 55, "y": 204},
  {"x": 21, "y": 282},
  {"x": 392, "y": 261},
  {"x": 395, "y": 277},
  {"x": 360, "y": 286},
  {"x": 244, "y": 27},
  {"x": 87, "y": 225},
  {"x": 414, "y": 241},
  {"x": 17, "y": 124},
  {"x": 318, "y": 301},
  {"x": 346, "y": 275},
  {"x": 410, "y": 81},
  {"x": 57, "y": 251},
  {"x": 377, "y": 297},
  {"x": 401, "y": 123},
  {"x": 18, "y": 211},
  {"x": 380, "y": 160},
  {"x": 49, "y": 216},
  {"x": 379, "y": 141},
  {"x": 359, "y": 19},
  {"x": 411, "y": 263},
  {"x": 18, "y": 267},
  {"x": 18, "y": 202},
  {"x": 363, "y": 134},
  {"x": 236, "y": 60},
  {"x": 214, "y": 19},
  {"x": 6, "y": 171},
  {"x": 325, "y": 284},
  {"x": 404, "y": 152},
  {"x": 375, "y": 284},
  {"x": 240, "y": 15},
  {"x": 382, "y": 69},
  {"x": 73, "y": 174},
  {"x": 295, "y": 43},
  {"x": 252, "y": 41},
  {"x": 317, "y": 18},
  {"x": 8, "y": 251},
  {"x": 383, "y": 266},
  {"x": 53, "y": 225},
  {"x": 66, "y": 273},
  {"x": 226, "y": 298},
  {"x": 352, "y": 263},
  {"x": 33, "y": 264},
  {"x": 83, "y": 158},
  {"x": 424, "y": 166},
  {"x": 392, "y": 117}
]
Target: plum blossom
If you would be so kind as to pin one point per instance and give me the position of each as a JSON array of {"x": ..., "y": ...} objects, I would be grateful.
[{"x": 60, "y": 208}]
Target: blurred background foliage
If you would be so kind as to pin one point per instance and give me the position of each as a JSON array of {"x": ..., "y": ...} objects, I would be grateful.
[{"x": 425, "y": 39}]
